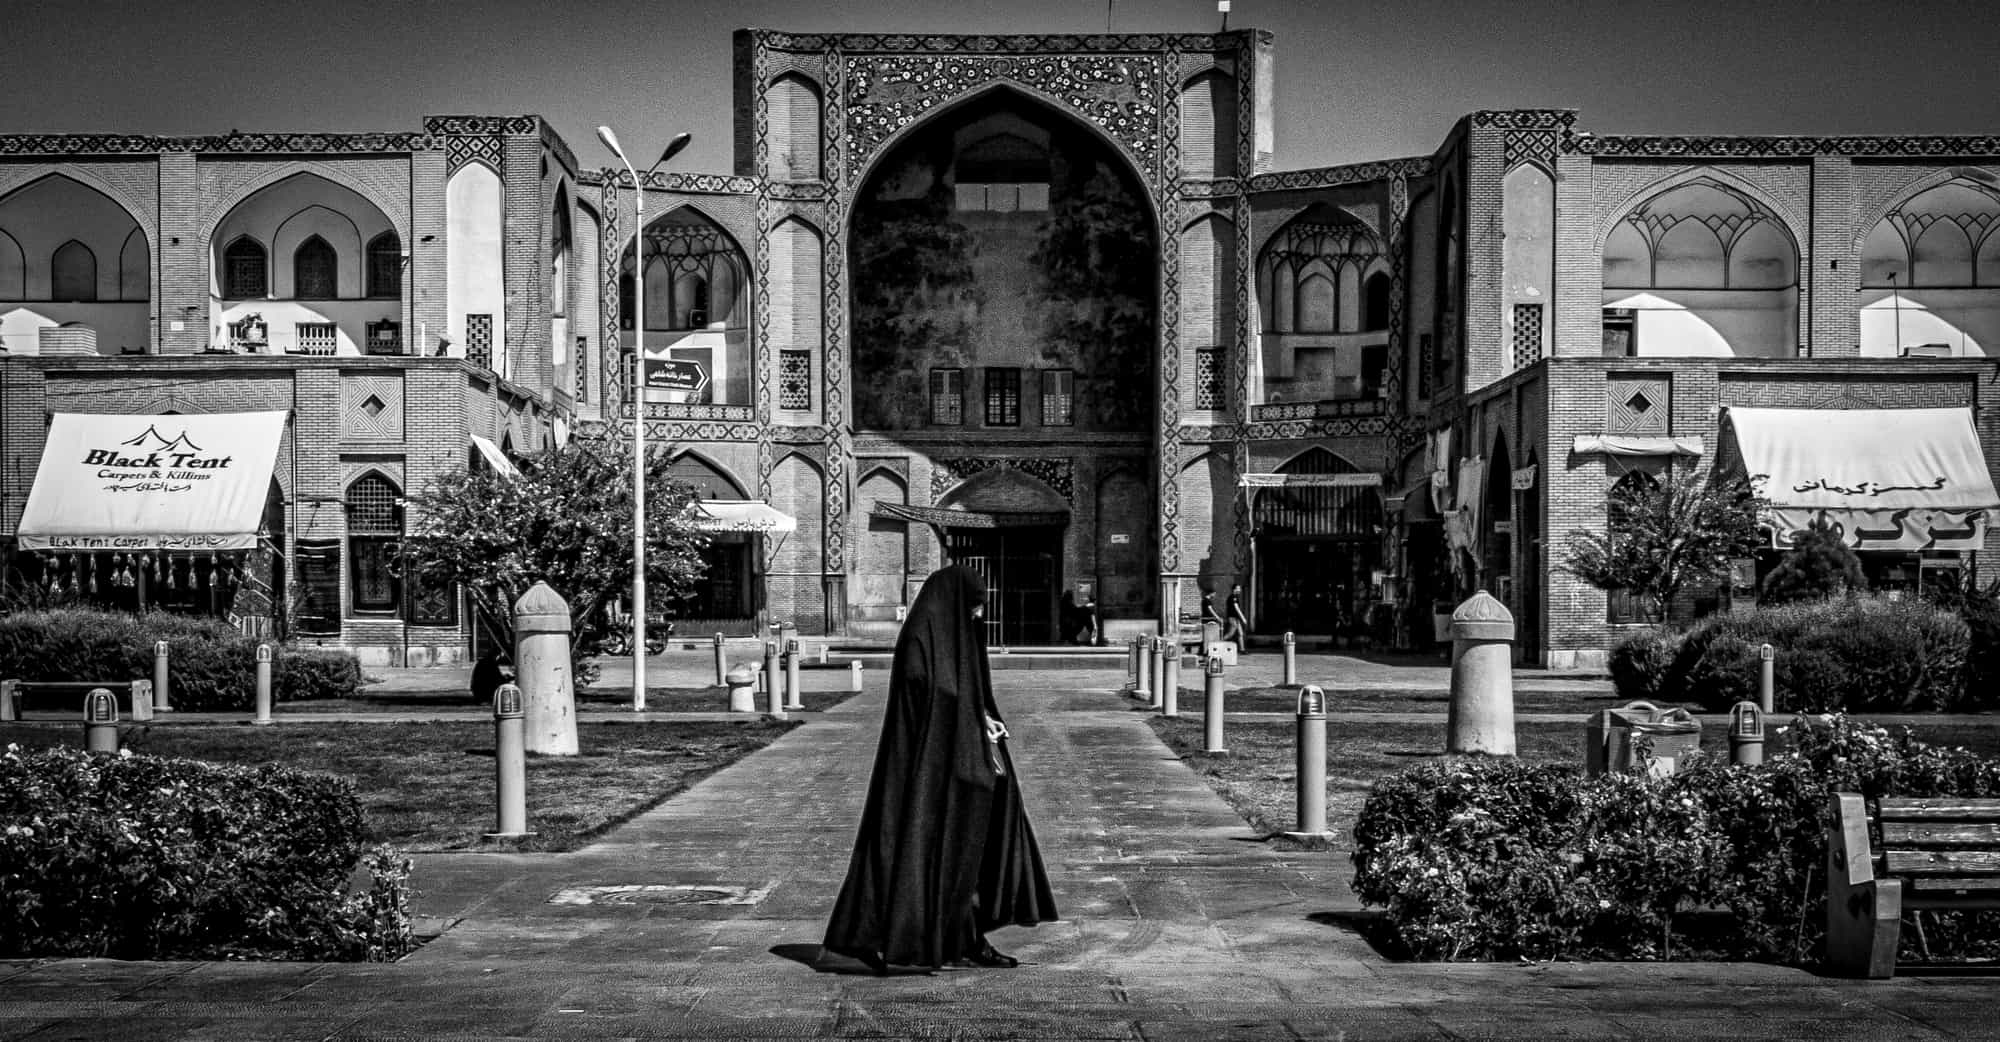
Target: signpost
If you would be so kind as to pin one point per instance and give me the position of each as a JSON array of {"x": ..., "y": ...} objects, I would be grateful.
[{"x": 671, "y": 374}]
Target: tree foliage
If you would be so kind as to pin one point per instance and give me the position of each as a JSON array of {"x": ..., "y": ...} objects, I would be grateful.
[
  {"x": 566, "y": 520},
  {"x": 1818, "y": 565},
  {"x": 1664, "y": 537}
]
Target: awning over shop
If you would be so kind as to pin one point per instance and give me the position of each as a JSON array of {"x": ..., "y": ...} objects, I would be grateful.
[
  {"x": 741, "y": 515},
  {"x": 1890, "y": 479},
  {"x": 152, "y": 482},
  {"x": 1367, "y": 480},
  {"x": 949, "y": 518},
  {"x": 494, "y": 457},
  {"x": 1635, "y": 445}
]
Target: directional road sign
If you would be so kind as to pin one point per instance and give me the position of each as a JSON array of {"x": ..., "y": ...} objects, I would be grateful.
[{"x": 668, "y": 374}]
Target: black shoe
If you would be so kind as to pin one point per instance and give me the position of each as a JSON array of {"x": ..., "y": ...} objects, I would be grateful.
[
  {"x": 987, "y": 955},
  {"x": 865, "y": 956}
]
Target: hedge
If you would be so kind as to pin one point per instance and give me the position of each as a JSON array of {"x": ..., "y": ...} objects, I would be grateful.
[
  {"x": 1848, "y": 654},
  {"x": 1478, "y": 858},
  {"x": 210, "y": 665},
  {"x": 143, "y": 857}
]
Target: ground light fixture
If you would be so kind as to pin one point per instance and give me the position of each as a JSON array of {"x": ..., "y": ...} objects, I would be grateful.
[{"x": 679, "y": 142}]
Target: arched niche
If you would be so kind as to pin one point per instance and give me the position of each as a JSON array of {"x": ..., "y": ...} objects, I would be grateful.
[
  {"x": 71, "y": 254},
  {"x": 1208, "y": 126},
  {"x": 1702, "y": 268},
  {"x": 309, "y": 226},
  {"x": 1001, "y": 233},
  {"x": 1930, "y": 274},
  {"x": 1319, "y": 342},
  {"x": 792, "y": 105},
  {"x": 475, "y": 267}
]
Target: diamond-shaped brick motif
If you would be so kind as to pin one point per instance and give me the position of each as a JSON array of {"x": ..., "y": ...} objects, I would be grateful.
[
  {"x": 1639, "y": 402},
  {"x": 373, "y": 406}
]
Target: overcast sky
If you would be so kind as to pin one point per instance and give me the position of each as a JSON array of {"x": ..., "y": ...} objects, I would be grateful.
[{"x": 1355, "y": 80}]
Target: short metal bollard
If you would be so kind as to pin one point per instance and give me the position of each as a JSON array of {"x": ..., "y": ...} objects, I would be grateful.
[
  {"x": 774, "y": 681},
  {"x": 160, "y": 700},
  {"x": 1291, "y": 675},
  {"x": 1170, "y": 684},
  {"x": 263, "y": 684},
  {"x": 822, "y": 654},
  {"x": 1311, "y": 765},
  {"x": 1157, "y": 654},
  {"x": 1142, "y": 655},
  {"x": 142, "y": 701},
  {"x": 721, "y": 662},
  {"x": 510, "y": 760},
  {"x": 1211, "y": 709},
  {"x": 1767, "y": 678},
  {"x": 1746, "y": 734},
  {"x": 9, "y": 691},
  {"x": 854, "y": 675},
  {"x": 742, "y": 689},
  {"x": 793, "y": 694},
  {"x": 100, "y": 721}
]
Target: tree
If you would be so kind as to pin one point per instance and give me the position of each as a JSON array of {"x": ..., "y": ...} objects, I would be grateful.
[
  {"x": 1818, "y": 565},
  {"x": 566, "y": 520},
  {"x": 1664, "y": 536}
]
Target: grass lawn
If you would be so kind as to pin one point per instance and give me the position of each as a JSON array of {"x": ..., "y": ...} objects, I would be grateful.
[
  {"x": 588, "y": 700},
  {"x": 429, "y": 786},
  {"x": 1258, "y": 776},
  {"x": 1281, "y": 699}
]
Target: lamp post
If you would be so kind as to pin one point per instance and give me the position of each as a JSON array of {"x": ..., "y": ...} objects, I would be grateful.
[
  {"x": 679, "y": 142},
  {"x": 1896, "y": 301}
]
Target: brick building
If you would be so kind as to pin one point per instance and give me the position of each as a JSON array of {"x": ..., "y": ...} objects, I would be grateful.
[{"x": 1038, "y": 303}]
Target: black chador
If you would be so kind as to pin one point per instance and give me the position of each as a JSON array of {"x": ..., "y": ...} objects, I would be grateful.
[{"x": 944, "y": 852}]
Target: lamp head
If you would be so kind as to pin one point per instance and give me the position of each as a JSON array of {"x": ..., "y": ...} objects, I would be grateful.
[
  {"x": 679, "y": 142},
  {"x": 610, "y": 140}
]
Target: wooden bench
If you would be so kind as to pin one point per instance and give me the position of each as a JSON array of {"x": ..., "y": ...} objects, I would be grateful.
[
  {"x": 1909, "y": 855},
  {"x": 63, "y": 699}
]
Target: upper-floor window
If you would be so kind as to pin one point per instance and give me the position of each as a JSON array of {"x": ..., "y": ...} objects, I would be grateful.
[
  {"x": 385, "y": 266},
  {"x": 244, "y": 269},
  {"x": 314, "y": 270},
  {"x": 1058, "y": 397},
  {"x": 73, "y": 272},
  {"x": 374, "y": 529},
  {"x": 1003, "y": 397},
  {"x": 948, "y": 397}
]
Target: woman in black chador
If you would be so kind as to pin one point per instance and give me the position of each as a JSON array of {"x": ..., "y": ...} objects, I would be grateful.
[{"x": 944, "y": 852}]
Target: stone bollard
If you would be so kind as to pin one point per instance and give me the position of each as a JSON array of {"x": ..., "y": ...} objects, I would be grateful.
[
  {"x": 854, "y": 675},
  {"x": 160, "y": 700},
  {"x": 1170, "y": 682},
  {"x": 142, "y": 701},
  {"x": 541, "y": 670},
  {"x": 1142, "y": 656},
  {"x": 794, "y": 691},
  {"x": 1157, "y": 654},
  {"x": 742, "y": 683},
  {"x": 1291, "y": 675},
  {"x": 263, "y": 685},
  {"x": 1310, "y": 765},
  {"x": 774, "y": 681},
  {"x": 1746, "y": 734},
  {"x": 1132, "y": 665},
  {"x": 100, "y": 721},
  {"x": 1767, "y": 679},
  {"x": 510, "y": 763},
  {"x": 9, "y": 691},
  {"x": 721, "y": 662},
  {"x": 1482, "y": 678},
  {"x": 1211, "y": 708},
  {"x": 822, "y": 654}
]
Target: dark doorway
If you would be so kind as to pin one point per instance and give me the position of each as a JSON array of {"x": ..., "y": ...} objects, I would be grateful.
[{"x": 1023, "y": 571}]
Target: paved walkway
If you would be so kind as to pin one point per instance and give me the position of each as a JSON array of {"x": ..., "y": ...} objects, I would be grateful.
[{"x": 704, "y": 916}]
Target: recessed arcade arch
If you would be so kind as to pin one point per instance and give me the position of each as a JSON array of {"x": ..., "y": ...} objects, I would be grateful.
[
  {"x": 1930, "y": 273},
  {"x": 697, "y": 304},
  {"x": 311, "y": 235},
  {"x": 1322, "y": 285},
  {"x": 72, "y": 255},
  {"x": 1701, "y": 268}
]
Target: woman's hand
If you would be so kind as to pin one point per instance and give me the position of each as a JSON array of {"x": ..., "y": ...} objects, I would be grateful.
[{"x": 995, "y": 730}]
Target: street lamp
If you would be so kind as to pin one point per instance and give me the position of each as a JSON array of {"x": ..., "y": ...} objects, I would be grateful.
[{"x": 679, "y": 142}]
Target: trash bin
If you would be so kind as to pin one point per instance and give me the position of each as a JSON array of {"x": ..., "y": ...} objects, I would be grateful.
[{"x": 1669, "y": 734}]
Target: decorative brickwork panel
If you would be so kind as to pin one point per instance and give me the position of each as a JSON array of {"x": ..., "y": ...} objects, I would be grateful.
[
  {"x": 459, "y": 151},
  {"x": 1825, "y": 393},
  {"x": 1056, "y": 473},
  {"x": 795, "y": 380},
  {"x": 1638, "y": 405},
  {"x": 1208, "y": 378},
  {"x": 479, "y": 340},
  {"x": 1527, "y": 335},
  {"x": 372, "y": 406}
]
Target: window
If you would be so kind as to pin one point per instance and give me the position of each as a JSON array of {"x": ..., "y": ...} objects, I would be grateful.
[
  {"x": 795, "y": 380},
  {"x": 73, "y": 272},
  {"x": 1375, "y": 308},
  {"x": 318, "y": 563},
  {"x": 1621, "y": 332},
  {"x": 479, "y": 340},
  {"x": 582, "y": 357},
  {"x": 374, "y": 539},
  {"x": 1058, "y": 397},
  {"x": 1003, "y": 397},
  {"x": 385, "y": 266},
  {"x": 1527, "y": 335},
  {"x": 948, "y": 397},
  {"x": 317, "y": 338},
  {"x": 244, "y": 270},
  {"x": 1208, "y": 378},
  {"x": 313, "y": 276},
  {"x": 1625, "y": 607}
]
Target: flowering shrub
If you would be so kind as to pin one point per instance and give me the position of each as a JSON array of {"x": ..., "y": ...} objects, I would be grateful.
[
  {"x": 210, "y": 665},
  {"x": 142, "y": 857},
  {"x": 1476, "y": 858}
]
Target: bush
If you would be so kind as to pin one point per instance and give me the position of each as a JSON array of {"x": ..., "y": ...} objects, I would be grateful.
[
  {"x": 1817, "y": 565},
  {"x": 141, "y": 857},
  {"x": 1860, "y": 654},
  {"x": 1641, "y": 664},
  {"x": 210, "y": 665},
  {"x": 1475, "y": 858}
]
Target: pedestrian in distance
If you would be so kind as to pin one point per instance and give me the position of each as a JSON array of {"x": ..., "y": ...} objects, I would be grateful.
[
  {"x": 487, "y": 676},
  {"x": 944, "y": 853},
  {"x": 1235, "y": 625}
]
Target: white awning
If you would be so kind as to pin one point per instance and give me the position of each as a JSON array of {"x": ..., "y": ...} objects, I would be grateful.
[
  {"x": 151, "y": 482},
  {"x": 1369, "y": 480},
  {"x": 1636, "y": 445},
  {"x": 1890, "y": 479},
  {"x": 741, "y": 515},
  {"x": 494, "y": 457}
]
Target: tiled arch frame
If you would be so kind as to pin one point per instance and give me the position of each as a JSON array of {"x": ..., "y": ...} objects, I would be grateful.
[
  {"x": 145, "y": 215},
  {"x": 1865, "y": 221}
]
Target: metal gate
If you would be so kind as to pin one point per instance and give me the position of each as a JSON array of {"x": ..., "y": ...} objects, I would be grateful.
[{"x": 1020, "y": 587}]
